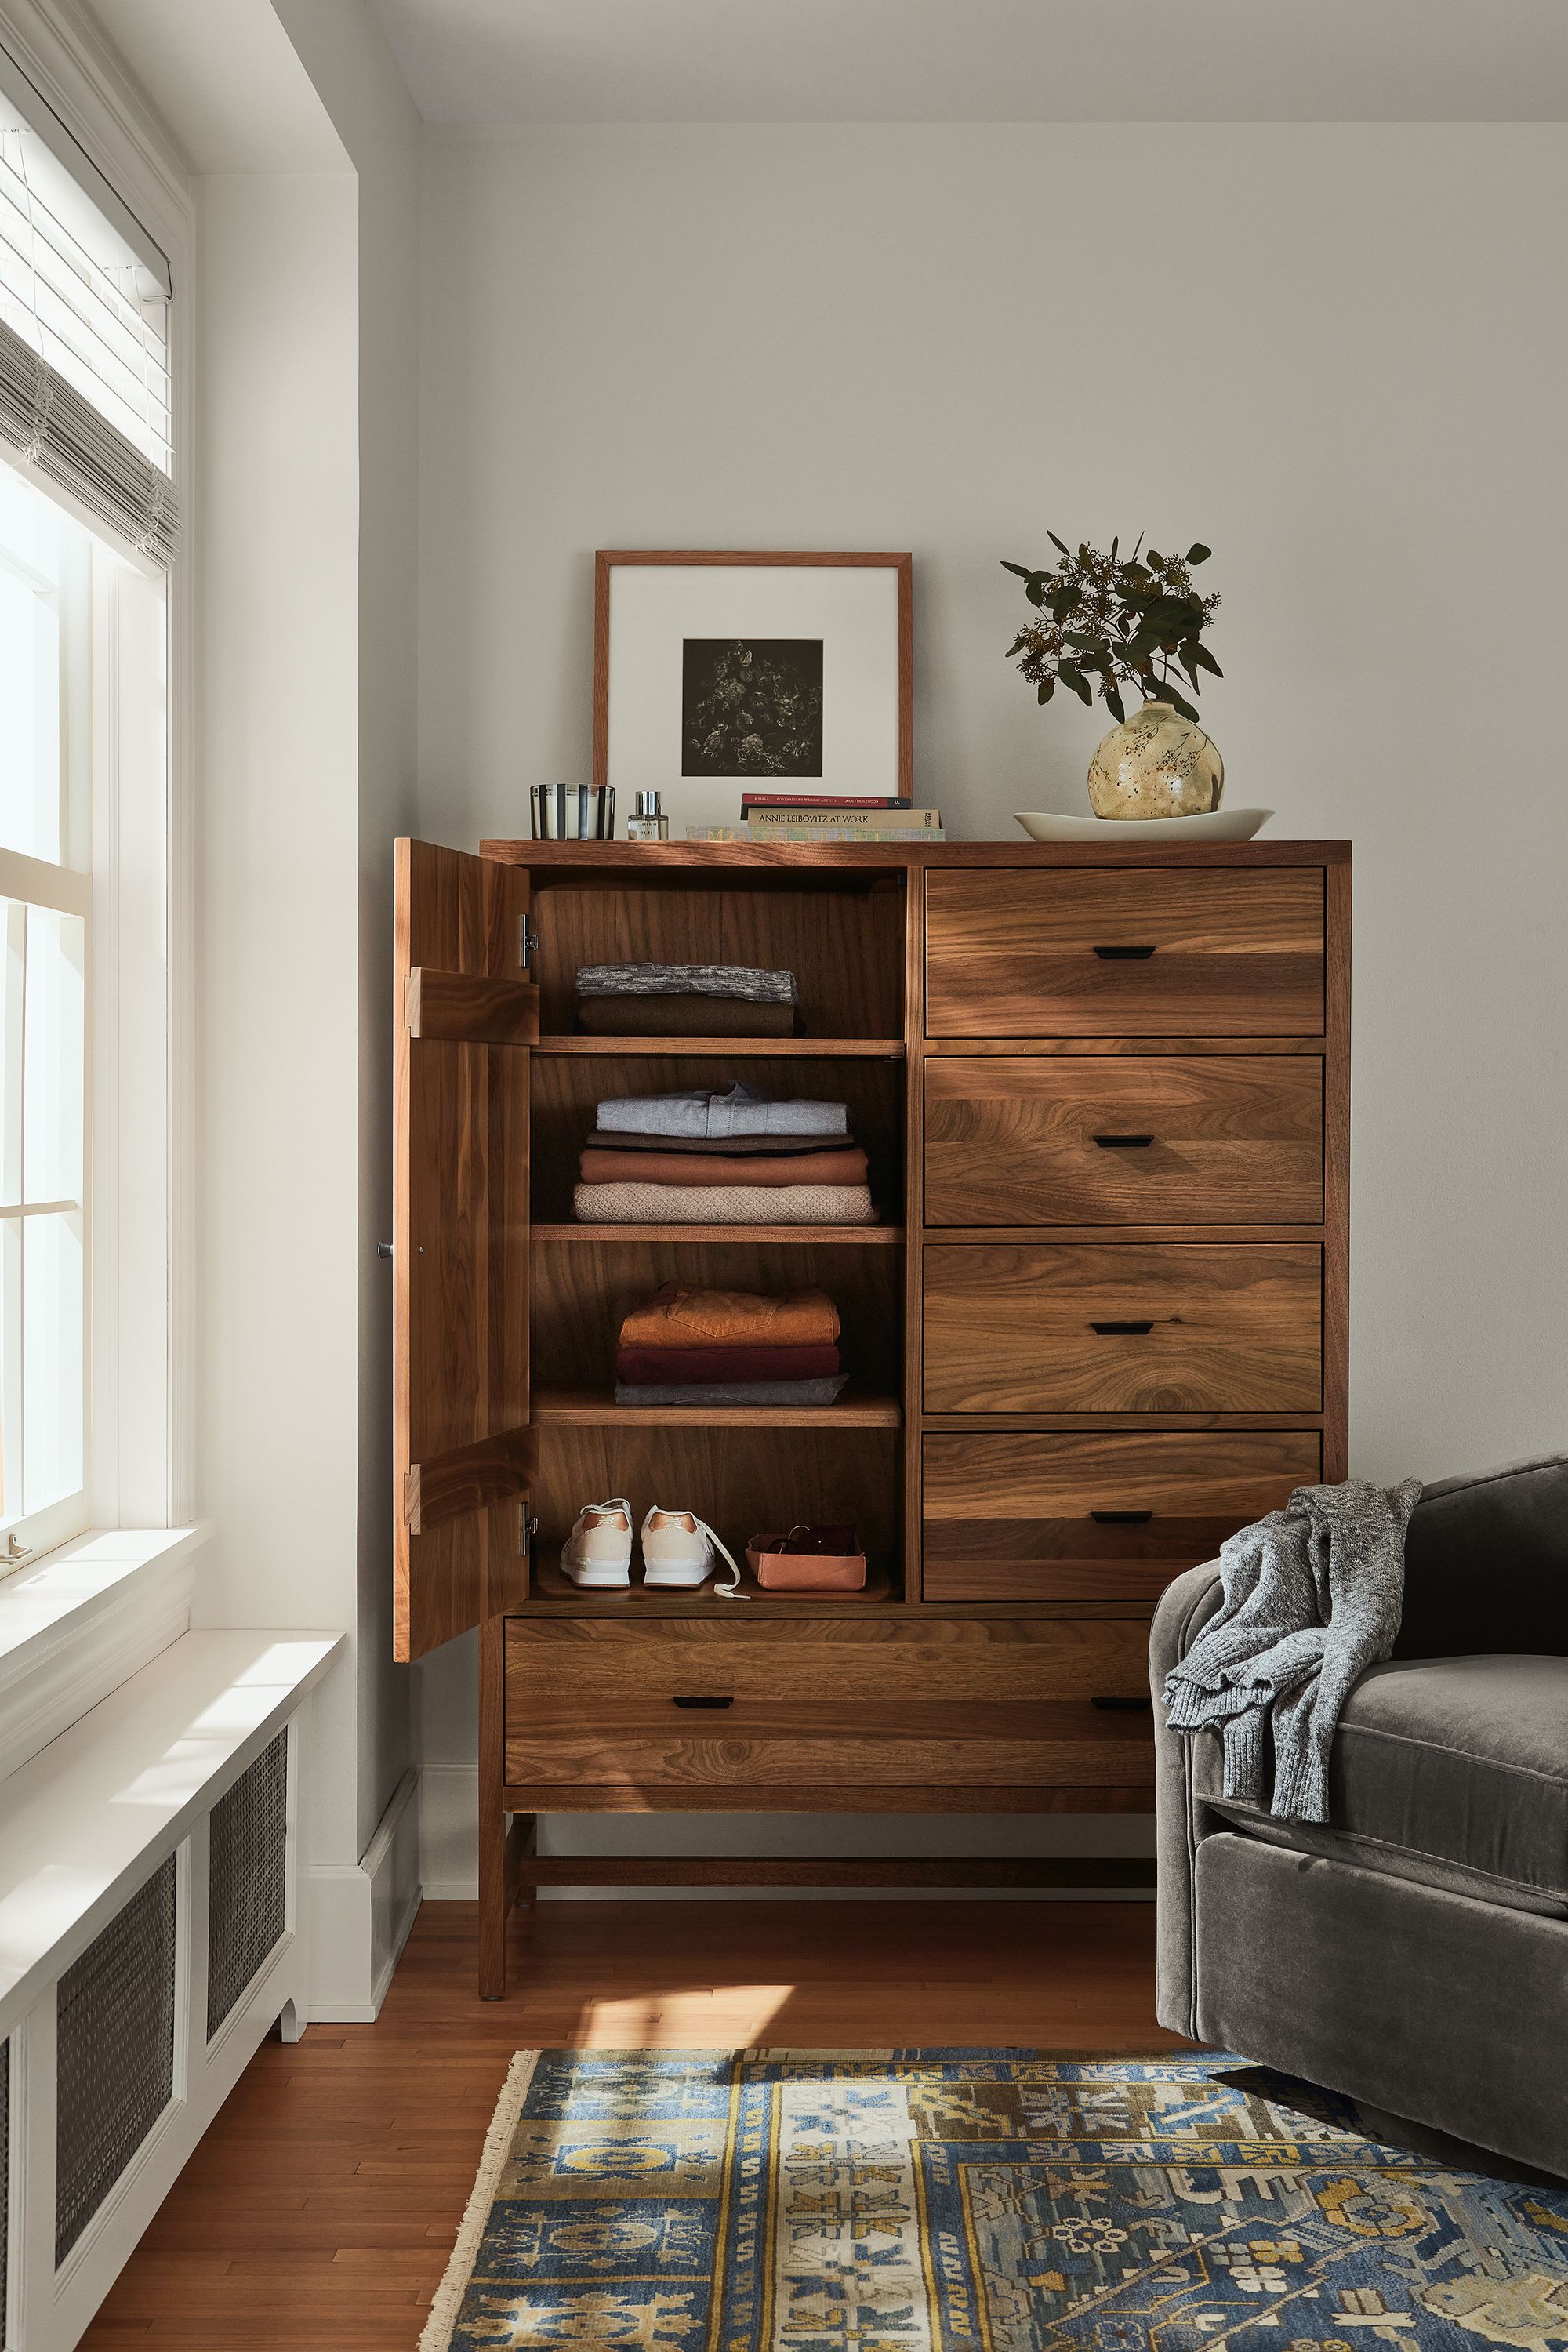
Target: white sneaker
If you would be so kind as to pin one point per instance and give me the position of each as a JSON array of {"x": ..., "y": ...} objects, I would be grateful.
[
  {"x": 680, "y": 1549},
  {"x": 598, "y": 1551}
]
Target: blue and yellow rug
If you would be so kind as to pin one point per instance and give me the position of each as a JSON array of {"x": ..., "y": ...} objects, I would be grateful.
[{"x": 975, "y": 2200}]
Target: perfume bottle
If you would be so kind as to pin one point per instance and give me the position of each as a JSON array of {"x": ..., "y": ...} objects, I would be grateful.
[{"x": 648, "y": 821}]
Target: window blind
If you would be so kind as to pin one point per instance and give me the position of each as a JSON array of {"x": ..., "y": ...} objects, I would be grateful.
[{"x": 85, "y": 393}]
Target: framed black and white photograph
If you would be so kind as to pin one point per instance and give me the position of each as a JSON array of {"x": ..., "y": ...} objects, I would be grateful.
[{"x": 717, "y": 673}]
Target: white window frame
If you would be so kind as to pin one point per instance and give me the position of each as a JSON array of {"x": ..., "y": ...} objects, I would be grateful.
[{"x": 141, "y": 1187}]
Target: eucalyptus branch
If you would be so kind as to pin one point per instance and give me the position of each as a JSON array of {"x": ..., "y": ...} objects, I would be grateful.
[{"x": 1111, "y": 619}]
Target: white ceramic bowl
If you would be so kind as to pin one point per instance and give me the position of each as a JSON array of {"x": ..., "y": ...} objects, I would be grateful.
[{"x": 1214, "y": 824}]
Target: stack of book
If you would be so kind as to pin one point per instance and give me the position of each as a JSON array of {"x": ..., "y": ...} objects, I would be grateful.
[{"x": 817, "y": 816}]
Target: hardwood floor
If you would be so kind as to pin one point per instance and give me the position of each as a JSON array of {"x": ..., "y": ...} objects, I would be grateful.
[{"x": 319, "y": 2209}]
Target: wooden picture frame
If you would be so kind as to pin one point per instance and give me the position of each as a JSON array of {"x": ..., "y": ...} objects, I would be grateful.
[{"x": 606, "y": 562}]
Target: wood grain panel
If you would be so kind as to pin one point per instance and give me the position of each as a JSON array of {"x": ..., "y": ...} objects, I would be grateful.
[
  {"x": 844, "y": 946},
  {"x": 470, "y": 1012},
  {"x": 944, "y": 1795},
  {"x": 1011, "y": 954},
  {"x": 1011, "y": 1515},
  {"x": 606, "y": 1758},
  {"x": 842, "y": 1661},
  {"x": 460, "y": 1363},
  {"x": 1213, "y": 1328},
  {"x": 1097, "y": 1141}
]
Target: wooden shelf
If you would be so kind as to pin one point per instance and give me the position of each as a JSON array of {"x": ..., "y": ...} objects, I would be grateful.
[
  {"x": 733, "y": 1049},
  {"x": 575, "y": 1233},
  {"x": 555, "y": 1595},
  {"x": 596, "y": 1409}
]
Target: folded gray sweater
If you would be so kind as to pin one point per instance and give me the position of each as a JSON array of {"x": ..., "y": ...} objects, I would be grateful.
[
  {"x": 1313, "y": 1598},
  {"x": 704, "y": 1115}
]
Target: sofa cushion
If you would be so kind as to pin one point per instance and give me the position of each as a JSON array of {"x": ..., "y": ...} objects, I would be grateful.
[
  {"x": 1451, "y": 1772},
  {"x": 1486, "y": 1563}
]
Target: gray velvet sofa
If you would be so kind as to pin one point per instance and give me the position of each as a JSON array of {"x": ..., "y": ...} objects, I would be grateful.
[{"x": 1413, "y": 1954}]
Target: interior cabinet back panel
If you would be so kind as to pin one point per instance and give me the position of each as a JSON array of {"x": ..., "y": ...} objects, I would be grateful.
[
  {"x": 1025, "y": 1516},
  {"x": 1164, "y": 1328},
  {"x": 1125, "y": 951},
  {"x": 1093, "y": 1140},
  {"x": 844, "y": 943}
]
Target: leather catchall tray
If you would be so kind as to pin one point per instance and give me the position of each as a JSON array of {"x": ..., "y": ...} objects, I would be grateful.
[{"x": 808, "y": 1565}]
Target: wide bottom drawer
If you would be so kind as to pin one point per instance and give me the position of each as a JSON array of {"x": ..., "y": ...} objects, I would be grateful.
[
  {"x": 1021, "y": 1515},
  {"x": 865, "y": 1712}
]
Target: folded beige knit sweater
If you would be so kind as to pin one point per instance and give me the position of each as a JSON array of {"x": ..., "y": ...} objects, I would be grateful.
[{"x": 723, "y": 1204}]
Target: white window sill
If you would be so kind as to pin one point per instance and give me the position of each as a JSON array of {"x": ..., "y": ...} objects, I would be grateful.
[{"x": 77, "y": 1624}]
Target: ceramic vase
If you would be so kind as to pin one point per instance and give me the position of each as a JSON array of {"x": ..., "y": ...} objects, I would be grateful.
[{"x": 1156, "y": 764}]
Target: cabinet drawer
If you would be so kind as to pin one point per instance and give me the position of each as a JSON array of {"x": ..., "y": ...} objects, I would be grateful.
[
  {"x": 1096, "y": 1139},
  {"x": 1019, "y": 1515},
  {"x": 1128, "y": 951},
  {"x": 1123, "y": 1328},
  {"x": 901, "y": 1704}
]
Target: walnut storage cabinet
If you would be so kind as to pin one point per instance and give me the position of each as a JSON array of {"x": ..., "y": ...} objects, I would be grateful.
[{"x": 1104, "y": 1092}]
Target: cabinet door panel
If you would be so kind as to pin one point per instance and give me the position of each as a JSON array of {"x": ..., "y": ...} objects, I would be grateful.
[
  {"x": 1126, "y": 952},
  {"x": 462, "y": 1447},
  {"x": 1094, "y": 1139},
  {"x": 1024, "y": 1516},
  {"x": 1163, "y": 1327}
]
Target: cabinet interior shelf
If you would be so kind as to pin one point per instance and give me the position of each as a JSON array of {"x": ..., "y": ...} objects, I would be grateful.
[
  {"x": 596, "y": 1409},
  {"x": 658, "y": 1232},
  {"x": 885, "y": 1049},
  {"x": 555, "y": 1595}
]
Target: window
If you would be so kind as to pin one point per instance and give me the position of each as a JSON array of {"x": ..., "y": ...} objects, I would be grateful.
[{"x": 46, "y": 608}]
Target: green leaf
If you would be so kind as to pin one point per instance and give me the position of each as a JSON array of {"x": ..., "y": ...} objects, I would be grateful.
[
  {"x": 1035, "y": 591},
  {"x": 1060, "y": 544},
  {"x": 1023, "y": 569},
  {"x": 1168, "y": 693},
  {"x": 1198, "y": 552},
  {"x": 1206, "y": 660},
  {"x": 1015, "y": 647},
  {"x": 1082, "y": 637},
  {"x": 1114, "y": 703},
  {"x": 1072, "y": 677},
  {"x": 1048, "y": 687}
]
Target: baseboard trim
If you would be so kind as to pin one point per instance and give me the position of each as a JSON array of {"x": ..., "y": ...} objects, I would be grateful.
[{"x": 360, "y": 1915}]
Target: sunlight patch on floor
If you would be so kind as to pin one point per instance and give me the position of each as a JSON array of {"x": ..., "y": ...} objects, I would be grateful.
[{"x": 700, "y": 2016}]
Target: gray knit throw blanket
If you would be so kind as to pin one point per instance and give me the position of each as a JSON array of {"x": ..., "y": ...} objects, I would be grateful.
[{"x": 1313, "y": 1598}]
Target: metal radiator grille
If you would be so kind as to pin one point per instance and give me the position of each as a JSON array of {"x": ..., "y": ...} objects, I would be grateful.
[
  {"x": 115, "y": 2064},
  {"x": 246, "y": 1887}
]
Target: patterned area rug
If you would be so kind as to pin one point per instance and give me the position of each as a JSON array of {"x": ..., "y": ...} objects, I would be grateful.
[{"x": 975, "y": 2200}]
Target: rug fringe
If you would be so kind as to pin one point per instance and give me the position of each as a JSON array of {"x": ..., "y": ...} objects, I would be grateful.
[{"x": 448, "y": 2298}]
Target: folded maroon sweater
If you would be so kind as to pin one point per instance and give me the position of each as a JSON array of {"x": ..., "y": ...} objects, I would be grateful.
[{"x": 669, "y": 1367}]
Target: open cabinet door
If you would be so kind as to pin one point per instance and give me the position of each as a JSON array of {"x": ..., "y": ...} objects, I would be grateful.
[{"x": 467, "y": 1012}]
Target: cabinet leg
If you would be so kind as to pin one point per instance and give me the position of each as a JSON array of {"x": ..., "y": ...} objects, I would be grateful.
[{"x": 494, "y": 1903}]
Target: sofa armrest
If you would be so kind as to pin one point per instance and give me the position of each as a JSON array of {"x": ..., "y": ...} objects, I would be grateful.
[
  {"x": 1486, "y": 1564},
  {"x": 1184, "y": 1607}
]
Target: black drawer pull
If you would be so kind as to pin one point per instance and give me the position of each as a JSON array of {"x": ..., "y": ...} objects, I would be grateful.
[
  {"x": 702, "y": 1702},
  {"x": 1124, "y": 955},
  {"x": 1123, "y": 1706},
  {"x": 1123, "y": 1142},
  {"x": 1121, "y": 1518},
  {"x": 1121, "y": 1330}
]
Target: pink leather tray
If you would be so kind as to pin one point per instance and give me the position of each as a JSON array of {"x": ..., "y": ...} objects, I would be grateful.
[{"x": 804, "y": 1571}]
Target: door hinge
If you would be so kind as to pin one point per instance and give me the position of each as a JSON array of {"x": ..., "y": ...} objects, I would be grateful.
[
  {"x": 528, "y": 942},
  {"x": 527, "y": 1528}
]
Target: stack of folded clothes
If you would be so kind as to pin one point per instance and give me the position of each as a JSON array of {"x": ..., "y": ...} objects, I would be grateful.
[
  {"x": 686, "y": 1000},
  {"x": 732, "y": 1159},
  {"x": 729, "y": 1346}
]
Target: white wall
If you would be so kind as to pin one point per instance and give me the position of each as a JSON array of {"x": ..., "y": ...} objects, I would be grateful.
[{"x": 1336, "y": 354}]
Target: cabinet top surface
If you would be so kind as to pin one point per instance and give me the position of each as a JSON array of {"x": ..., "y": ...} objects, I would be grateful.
[{"x": 899, "y": 857}]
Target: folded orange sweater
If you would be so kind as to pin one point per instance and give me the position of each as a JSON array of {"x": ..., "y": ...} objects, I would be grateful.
[
  {"x": 680, "y": 1317},
  {"x": 847, "y": 1167}
]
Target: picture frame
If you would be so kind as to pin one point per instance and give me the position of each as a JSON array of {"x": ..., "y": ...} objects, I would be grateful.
[{"x": 814, "y": 650}]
